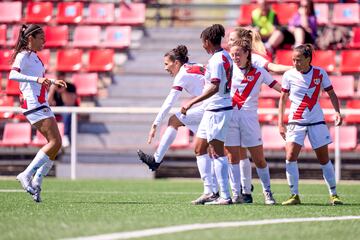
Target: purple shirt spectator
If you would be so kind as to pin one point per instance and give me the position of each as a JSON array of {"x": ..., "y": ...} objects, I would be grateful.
[{"x": 295, "y": 21}]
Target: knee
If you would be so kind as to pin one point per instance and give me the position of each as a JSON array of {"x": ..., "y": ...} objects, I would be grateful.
[
  {"x": 56, "y": 144},
  {"x": 174, "y": 122}
]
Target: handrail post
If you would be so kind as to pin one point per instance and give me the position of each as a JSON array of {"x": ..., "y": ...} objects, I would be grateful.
[
  {"x": 73, "y": 145},
  {"x": 337, "y": 154}
]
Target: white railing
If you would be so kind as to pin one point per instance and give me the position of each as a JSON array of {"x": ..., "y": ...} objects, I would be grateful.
[{"x": 142, "y": 110}]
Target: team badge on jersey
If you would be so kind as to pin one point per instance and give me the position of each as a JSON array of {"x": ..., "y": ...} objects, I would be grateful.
[
  {"x": 249, "y": 78},
  {"x": 317, "y": 81}
]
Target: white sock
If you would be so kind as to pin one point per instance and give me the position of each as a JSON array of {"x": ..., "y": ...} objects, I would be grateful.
[
  {"x": 166, "y": 140},
  {"x": 41, "y": 173},
  {"x": 40, "y": 159},
  {"x": 204, "y": 166},
  {"x": 292, "y": 175},
  {"x": 329, "y": 177},
  {"x": 264, "y": 176},
  {"x": 215, "y": 185},
  {"x": 222, "y": 174},
  {"x": 245, "y": 172},
  {"x": 234, "y": 174}
]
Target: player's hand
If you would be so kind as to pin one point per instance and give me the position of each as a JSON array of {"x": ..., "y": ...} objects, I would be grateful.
[
  {"x": 151, "y": 134},
  {"x": 338, "y": 119},
  {"x": 186, "y": 107},
  {"x": 282, "y": 130},
  {"x": 44, "y": 81}
]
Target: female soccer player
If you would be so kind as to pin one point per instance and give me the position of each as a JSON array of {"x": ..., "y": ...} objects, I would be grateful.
[
  {"x": 218, "y": 109},
  {"x": 191, "y": 78},
  {"x": 244, "y": 129},
  {"x": 258, "y": 59},
  {"x": 28, "y": 69},
  {"x": 302, "y": 85}
]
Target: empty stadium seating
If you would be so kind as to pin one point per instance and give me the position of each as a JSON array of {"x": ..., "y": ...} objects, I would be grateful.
[
  {"x": 40, "y": 140},
  {"x": 355, "y": 41},
  {"x": 322, "y": 13},
  {"x": 353, "y": 118},
  {"x": 131, "y": 14},
  {"x": 101, "y": 60},
  {"x": 16, "y": 134},
  {"x": 10, "y": 12},
  {"x": 117, "y": 37},
  {"x": 272, "y": 139},
  {"x": 245, "y": 14},
  {"x": 12, "y": 88},
  {"x": 5, "y": 58},
  {"x": 68, "y": 60},
  {"x": 285, "y": 11},
  {"x": 2, "y": 35},
  {"x": 325, "y": 59},
  {"x": 39, "y": 12},
  {"x": 348, "y": 137},
  {"x": 44, "y": 56},
  {"x": 56, "y": 36},
  {"x": 6, "y": 101},
  {"x": 87, "y": 36},
  {"x": 346, "y": 14},
  {"x": 69, "y": 12},
  {"x": 349, "y": 60},
  {"x": 284, "y": 57},
  {"x": 343, "y": 85},
  {"x": 266, "y": 103},
  {"x": 326, "y": 103},
  {"x": 86, "y": 83},
  {"x": 14, "y": 35},
  {"x": 101, "y": 13}
]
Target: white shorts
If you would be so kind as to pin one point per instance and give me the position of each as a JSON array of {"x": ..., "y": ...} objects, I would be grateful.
[
  {"x": 214, "y": 125},
  {"x": 244, "y": 129},
  {"x": 318, "y": 135},
  {"x": 192, "y": 118},
  {"x": 39, "y": 115}
]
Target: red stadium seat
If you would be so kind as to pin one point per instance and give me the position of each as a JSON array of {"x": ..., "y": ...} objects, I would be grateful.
[
  {"x": 16, "y": 134},
  {"x": 284, "y": 57},
  {"x": 266, "y": 103},
  {"x": 38, "y": 12},
  {"x": 272, "y": 139},
  {"x": 326, "y": 103},
  {"x": 322, "y": 13},
  {"x": 5, "y": 59},
  {"x": 69, "y": 60},
  {"x": 44, "y": 56},
  {"x": 117, "y": 37},
  {"x": 40, "y": 140},
  {"x": 348, "y": 137},
  {"x": 346, "y": 13},
  {"x": 10, "y": 12},
  {"x": 285, "y": 11},
  {"x": 355, "y": 41},
  {"x": 101, "y": 13},
  {"x": 2, "y": 35},
  {"x": 69, "y": 12},
  {"x": 350, "y": 60},
  {"x": 132, "y": 14},
  {"x": 86, "y": 83},
  {"x": 14, "y": 35},
  {"x": 87, "y": 36},
  {"x": 101, "y": 60},
  {"x": 325, "y": 59},
  {"x": 56, "y": 36},
  {"x": 6, "y": 101},
  {"x": 326, "y": 1},
  {"x": 343, "y": 86},
  {"x": 12, "y": 88},
  {"x": 352, "y": 118},
  {"x": 245, "y": 14}
]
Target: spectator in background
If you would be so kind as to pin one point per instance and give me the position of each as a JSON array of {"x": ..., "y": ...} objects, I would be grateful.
[
  {"x": 264, "y": 19},
  {"x": 302, "y": 28},
  {"x": 64, "y": 97}
]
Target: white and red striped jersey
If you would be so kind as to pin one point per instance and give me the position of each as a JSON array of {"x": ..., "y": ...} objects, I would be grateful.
[
  {"x": 245, "y": 88},
  {"x": 259, "y": 60},
  {"x": 220, "y": 67},
  {"x": 26, "y": 69},
  {"x": 191, "y": 78},
  {"x": 304, "y": 94}
]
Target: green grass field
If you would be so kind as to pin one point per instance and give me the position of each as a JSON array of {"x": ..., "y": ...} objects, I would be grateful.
[{"x": 85, "y": 208}]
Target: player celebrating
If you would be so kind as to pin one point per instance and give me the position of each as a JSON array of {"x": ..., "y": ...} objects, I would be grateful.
[
  {"x": 302, "y": 85},
  {"x": 28, "y": 69},
  {"x": 214, "y": 123},
  {"x": 244, "y": 129}
]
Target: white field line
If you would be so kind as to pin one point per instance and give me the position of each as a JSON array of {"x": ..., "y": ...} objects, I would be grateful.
[{"x": 192, "y": 227}]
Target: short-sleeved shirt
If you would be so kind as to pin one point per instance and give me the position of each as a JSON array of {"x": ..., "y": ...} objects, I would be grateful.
[
  {"x": 245, "y": 88},
  {"x": 259, "y": 60},
  {"x": 33, "y": 94},
  {"x": 220, "y": 69},
  {"x": 190, "y": 78},
  {"x": 304, "y": 94}
]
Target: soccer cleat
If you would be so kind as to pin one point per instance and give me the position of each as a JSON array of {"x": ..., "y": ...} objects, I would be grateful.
[
  {"x": 251, "y": 189},
  {"x": 205, "y": 198},
  {"x": 247, "y": 198},
  {"x": 148, "y": 160},
  {"x": 36, "y": 195},
  {"x": 335, "y": 200},
  {"x": 220, "y": 201},
  {"x": 269, "y": 199},
  {"x": 293, "y": 200},
  {"x": 237, "y": 200},
  {"x": 25, "y": 183}
]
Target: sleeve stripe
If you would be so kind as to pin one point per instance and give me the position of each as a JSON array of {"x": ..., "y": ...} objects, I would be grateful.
[
  {"x": 273, "y": 83},
  {"x": 215, "y": 80},
  {"x": 285, "y": 90},
  {"x": 329, "y": 88},
  {"x": 178, "y": 88},
  {"x": 16, "y": 69}
]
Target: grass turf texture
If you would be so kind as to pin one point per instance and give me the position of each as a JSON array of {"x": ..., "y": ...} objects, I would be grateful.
[{"x": 92, "y": 207}]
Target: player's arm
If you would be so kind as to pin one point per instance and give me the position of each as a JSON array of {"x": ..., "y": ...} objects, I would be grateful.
[
  {"x": 164, "y": 110},
  {"x": 282, "y": 104},
  {"x": 277, "y": 68},
  {"x": 335, "y": 102}
]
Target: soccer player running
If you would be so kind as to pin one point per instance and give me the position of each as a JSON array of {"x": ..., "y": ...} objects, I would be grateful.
[
  {"x": 244, "y": 128},
  {"x": 241, "y": 178},
  {"x": 191, "y": 78},
  {"x": 218, "y": 110},
  {"x": 28, "y": 69},
  {"x": 302, "y": 85}
]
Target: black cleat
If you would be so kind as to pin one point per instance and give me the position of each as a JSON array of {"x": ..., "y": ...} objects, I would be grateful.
[
  {"x": 148, "y": 160},
  {"x": 247, "y": 198}
]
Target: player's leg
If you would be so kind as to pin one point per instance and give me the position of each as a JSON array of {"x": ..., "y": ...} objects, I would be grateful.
[
  {"x": 233, "y": 154},
  {"x": 246, "y": 176}
]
